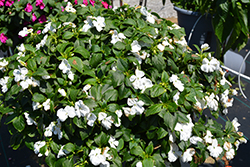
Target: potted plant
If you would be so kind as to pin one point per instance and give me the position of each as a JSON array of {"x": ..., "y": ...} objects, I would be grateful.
[
  {"x": 230, "y": 21},
  {"x": 113, "y": 87}
]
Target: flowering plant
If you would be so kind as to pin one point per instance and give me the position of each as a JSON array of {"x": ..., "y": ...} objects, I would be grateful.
[
  {"x": 24, "y": 13},
  {"x": 113, "y": 87}
]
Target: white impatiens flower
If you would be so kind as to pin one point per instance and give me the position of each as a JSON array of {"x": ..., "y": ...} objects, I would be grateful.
[
  {"x": 116, "y": 36},
  {"x": 176, "y": 98},
  {"x": 81, "y": 109},
  {"x": 161, "y": 47},
  {"x": 230, "y": 154},
  {"x": 106, "y": 122},
  {"x": 96, "y": 157},
  {"x": 36, "y": 105},
  {"x": 25, "y": 31},
  {"x": 137, "y": 107},
  {"x": 68, "y": 111},
  {"x": 69, "y": 8},
  {"x": 236, "y": 124},
  {"x": 210, "y": 66},
  {"x": 29, "y": 120},
  {"x": 149, "y": 17},
  {"x": 49, "y": 27},
  {"x": 69, "y": 24},
  {"x": 3, "y": 63},
  {"x": 91, "y": 118},
  {"x": 139, "y": 164},
  {"x": 174, "y": 153},
  {"x": 62, "y": 92},
  {"x": 112, "y": 142},
  {"x": 20, "y": 73},
  {"x": 176, "y": 82},
  {"x": 62, "y": 152},
  {"x": 140, "y": 82},
  {"x": 3, "y": 83},
  {"x": 208, "y": 137},
  {"x": 212, "y": 103},
  {"x": 42, "y": 43},
  {"x": 57, "y": 129},
  {"x": 214, "y": 149},
  {"x": 227, "y": 146},
  {"x": 185, "y": 129},
  {"x": 188, "y": 155},
  {"x": 135, "y": 46},
  {"x": 200, "y": 104},
  {"x": 195, "y": 139},
  {"x": 49, "y": 130},
  {"x": 88, "y": 24},
  {"x": 119, "y": 114},
  {"x": 46, "y": 105},
  {"x": 99, "y": 23},
  {"x": 21, "y": 48},
  {"x": 65, "y": 66},
  {"x": 205, "y": 47},
  {"x": 37, "y": 146}
]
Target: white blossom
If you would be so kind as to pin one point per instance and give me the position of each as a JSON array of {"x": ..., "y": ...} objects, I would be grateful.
[
  {"x": 20, "y": 73},
  {"x": 205, "y": 47},
  {"x": 49, "y": 27},
  {"x": 96, "y": 158},
  {"x": 46, "y": 105},
  {"x": 106, "y": 121},
  {"x": 214, "y": 149},
  {"x": 25, "y": 31},
  {"x": 91, "y": 119},
  {"x": 235, "y": 124},
  {"x": 112, "y": 142},
  {"x": 195, "y": 139},
  {"x": 139, "y": 164},
  {"x": 65, "y": 66},
  {"x": 135, "y": 46},
  {"x": 70, "y": 24},
  {"x": 176, "y": 97},
  {"x": 176, "y": 82},
  {"x": 230, "y": 154},
  {"x": 161, "y": 47},
  {"x": 62, "y": 92},
  {"x": 137, "y": 107},
  {"x": 174, "y": 153},
  {"x": 37, "y": 146},
  {"x": 188, "y": 155},
  {"x": 212, "y": 103},
  {"x": 185, "y": 129},
  {"x": 99, "y": 23},
  {"x": 88, "y": 24},
  {"x": 36, "y": 105},
  {"x": 208, "y": 137},
  {"x": 63, "y": 114},
  {"x": 210, "y": 66},
  {"x": 29, "y": 120},
  {"x": 81, "y": 109},
  {"x": 116, "y": 36},
  {"x": 49, "y": 130},
  {"x": 3, "y": 83},
  {"x": 62, "y": 152},
  {"x": 3, "y": 63}
]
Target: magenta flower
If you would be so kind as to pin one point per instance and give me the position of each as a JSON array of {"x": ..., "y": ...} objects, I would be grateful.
[
  {"x": 28, "y": 8},
  {"x": 33, "y": 17},
  {"x": 2, "y": 3},
  {"x": 62, "y": 8},
  {"x": 38, "y": 32},
  {"x": 105, "y": 5},
  {"x": 3, "y": 38},
  {"x": 76, "y": 2},
  {"x": 42, "y": 19},
  {"x": 40, "y": 4},
  {"x": 85, "y": 2},
  {"x": 9, "y": 3},
  {"x": 92, "y": 2}
]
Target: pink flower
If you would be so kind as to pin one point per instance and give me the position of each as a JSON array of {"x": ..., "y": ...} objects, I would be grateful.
[
  {"x": 33, "y": 17},
  {"x": 28, "y": 8},
  {"x": 40, "y": 4},
  {"x": 38, "y": 31},
  {"x": 3, "y": 38},
  {"x": 85, "y": 2},
  {"x": 76, "y": 2},
  {"x": 42, "y": 19},
  {"x": 105, "y": 4},
  {"x": 62, "y": 8},
  {"x": 2, "y": 3},
  {"x": 9, "y": 3},
  {"x": 92, "y": 2}
]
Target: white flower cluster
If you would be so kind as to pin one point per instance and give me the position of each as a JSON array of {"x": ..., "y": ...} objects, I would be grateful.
[
  {"x": 49, "y": 27},
  {"x": 69, "y": 24},
  {"x": 20, "y": 75},
  {"x": 149, "y": 17},
  {"x": 66, "y": 69},
  {"x": 3, "y": 83},
  {"x": 21, "y": 52},
  {"x": 139, "y": 81},
  {"x": 25, "y": 31},
  {"x": 99, "y": 157},
  {"x": 69, "y": 8},
  {"x": 136, "y": 107},
  {"x": 116, "y": 36},
  {"x": 176, "y": 82},
  {"x": 37, "y": 146},
  {"x": 226, "y": 101},
  {"x": 165, "y": 43},
  {"x": 185, "y": 129},
  {"x": 42, "y": 43},
  {"x": 54, "y": 128},
  {"x": 136, "y": 47},
  {"x": 3, "y": 64},
  {"x": 97, "y": 22}
]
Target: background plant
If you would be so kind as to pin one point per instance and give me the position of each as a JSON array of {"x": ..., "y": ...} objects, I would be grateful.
[
  {"x": 104, "y": 87},
  {"x": 230, "y": 21}
]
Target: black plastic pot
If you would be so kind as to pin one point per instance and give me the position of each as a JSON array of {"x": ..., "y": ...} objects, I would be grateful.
[{"x": 202, "y": 32}]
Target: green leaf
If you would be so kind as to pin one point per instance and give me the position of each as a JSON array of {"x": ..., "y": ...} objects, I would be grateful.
[
  {"x": 95, "y": 59},
  {"x": 154, "y": 109},
  {"x": 50, "y": 159},
  {"x": 170, "y": 120},
  {"x": 69, "y": 147},
  {"x": 119, "y": 45},
  {"x": 150, "y": 148},
  {"x": 76, "y": 63},
  {"x": 19, "y": 123},
  {"x": 68, "y": 162},
  {"x": 31, "y": 64},
  {"x": 40, "y": 72},
  {"x": 73, "y": 94},
  {"x": 159, "y": 63},
  {"x": 81, "y": 11},
  {"x": 83, "y": 135},
  {"x": 111, "y": 95},
  {"x": 120, "y": 145},
  {"x": 130, "y": 22},
  {"x": 122, "y": 64},
  {"x": 82, "y": 51},
  {"x": 182, "y": 117},
  {"x": 30, "y": 48},
  {"x": 117, "y": 78},
  {"x": 101, "y": 139},
  {"x": 173, "y": 66},
  {"x": 123, "y": 92},
  {"x": 71, "y": 17},
  {"x": 157, "y": 90},
  {"x": 148, "y": 162},
  {"x": 165, "y": 77},
  {"x": 68, "y": 35},
  {"x": 161, "y": 133},
  {"x": 96, "y": 92},
  {"x": 137, "y": 150},
  {"x": 13, "y": 90},
  {"x": 38, "y": 98},
  {"x": 146, "y": 99},
  {"x": 146, "y": 39},
  {"x": 55, "y": 147},
  {"x": 228, "y": 127}
]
